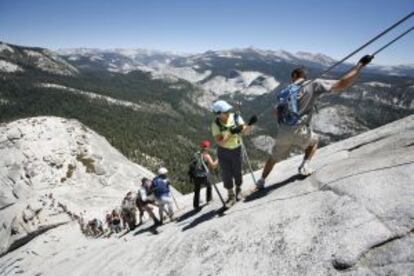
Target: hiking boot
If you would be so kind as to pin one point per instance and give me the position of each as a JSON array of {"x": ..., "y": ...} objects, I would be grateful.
[
  {"x": 305, "y": 170},
  {"x": 260, "y": 184}
]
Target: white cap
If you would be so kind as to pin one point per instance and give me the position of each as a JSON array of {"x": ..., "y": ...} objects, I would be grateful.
[
  {"x": 162, "y": 171},
  {"x": 221, "y": 106}
]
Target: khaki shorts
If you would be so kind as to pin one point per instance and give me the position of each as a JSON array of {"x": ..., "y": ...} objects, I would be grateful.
[{"x": 289, "y": 137}]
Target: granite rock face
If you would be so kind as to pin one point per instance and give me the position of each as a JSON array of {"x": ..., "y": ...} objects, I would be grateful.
[
  {"x": 49, "y": 162},
  {"x": 353, "y": 216}
]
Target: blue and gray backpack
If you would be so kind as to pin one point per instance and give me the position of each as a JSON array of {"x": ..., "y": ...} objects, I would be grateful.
[
  {"x": 288, "y": 105},
  {"x": 161, "y": 186}
]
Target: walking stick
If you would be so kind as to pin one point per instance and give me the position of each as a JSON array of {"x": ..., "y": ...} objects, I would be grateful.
[
  {"x": 218, "y": 192},
  {"x": 175, "y": 201},
  {"x": 248, "y": 162},
  {"x": 212, "y": 181}
]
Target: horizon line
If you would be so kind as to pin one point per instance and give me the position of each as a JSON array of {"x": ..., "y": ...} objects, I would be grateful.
[{"x": 185, "y": 53}]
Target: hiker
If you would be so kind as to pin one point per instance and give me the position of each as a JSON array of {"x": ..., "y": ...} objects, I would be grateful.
[
  {"x": 95, "y": 227},
  {"x": 199, "y": 168},
  {"x": 161, "y": 187},
  {"x": 227, "y": 129},
  {"x": 145, "y": 198},
  {"x": 116, "y": 222},
  {"x": 294, "y": 123},
  {"x": 128, "y": 211}
]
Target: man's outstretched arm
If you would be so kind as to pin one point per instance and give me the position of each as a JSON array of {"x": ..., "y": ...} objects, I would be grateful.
[{"x": 348, "y": 79}]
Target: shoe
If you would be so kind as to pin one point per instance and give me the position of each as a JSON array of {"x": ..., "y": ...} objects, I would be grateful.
[
  {"x": 260, "y": 184},
  {"x": 305, "y": 170}
]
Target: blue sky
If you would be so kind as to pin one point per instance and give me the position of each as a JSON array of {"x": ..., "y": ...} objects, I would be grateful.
[{"x": 331, "y": 27}]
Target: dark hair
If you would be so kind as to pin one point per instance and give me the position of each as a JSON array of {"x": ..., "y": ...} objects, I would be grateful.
[{"x": 299, "y": 73}]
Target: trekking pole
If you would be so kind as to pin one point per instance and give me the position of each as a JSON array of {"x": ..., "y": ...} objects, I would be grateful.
[
  {"x": 248, "y": 162},
  {"x": 212, "y": 181},
  {"x": 251, "y": 122},
  {"x": 175, "y": 201},
  {"x": 219, "y": 194}
]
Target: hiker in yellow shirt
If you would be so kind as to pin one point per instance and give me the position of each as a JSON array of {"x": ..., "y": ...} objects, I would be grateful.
[{"x": 227, "y": 129}]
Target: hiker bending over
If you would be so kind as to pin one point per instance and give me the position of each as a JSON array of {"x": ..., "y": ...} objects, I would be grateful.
[
  {"x": 161, "y": 187},
  {"x": 116, "y": 222},
  {"x": 293, "y": 110},
  {"x": 200, "y": 166},
  {"x": 145, "y": 198},
  {"x": 95, "y": 227},
  {"x": 227, "y": 129},
  {"x": 128, "y": 211}
]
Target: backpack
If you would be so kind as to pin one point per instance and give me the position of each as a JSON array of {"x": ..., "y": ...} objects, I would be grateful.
[
  {"x": 288, "y": 105},
  {"x": 160, "y": 186},
  {"x": 197, "y": 167}
]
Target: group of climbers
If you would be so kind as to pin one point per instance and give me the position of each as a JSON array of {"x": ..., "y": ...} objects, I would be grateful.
[
  {"x": 293, "y": 110},
  {"x": 150, "y": 194}
]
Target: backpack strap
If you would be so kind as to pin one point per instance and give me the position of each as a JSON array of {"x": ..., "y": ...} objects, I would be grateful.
[
  {"x": 204, "y": 164},
  {"x": 224, "y": 128},
  {"x": 287, "y": 103}
]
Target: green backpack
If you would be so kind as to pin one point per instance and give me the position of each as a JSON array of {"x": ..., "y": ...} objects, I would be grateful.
[{"x": 197, "y": 167}]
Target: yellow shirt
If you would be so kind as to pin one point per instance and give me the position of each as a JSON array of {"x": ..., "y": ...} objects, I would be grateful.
[{"x": 235, "y": 140}]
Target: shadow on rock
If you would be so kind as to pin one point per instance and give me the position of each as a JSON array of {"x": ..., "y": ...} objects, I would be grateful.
[
  {"x": 261, "y": 193},
  {"x": 124, "y": 234},
  {"x": 200, "y": 219},
  {"x": 189, "y": 214},
  {"x": 151, "y": 229}
]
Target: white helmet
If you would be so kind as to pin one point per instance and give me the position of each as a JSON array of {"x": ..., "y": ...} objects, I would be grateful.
[
  {"x": 221, "y": 106},
  {"x": 162, "y": 171}
]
